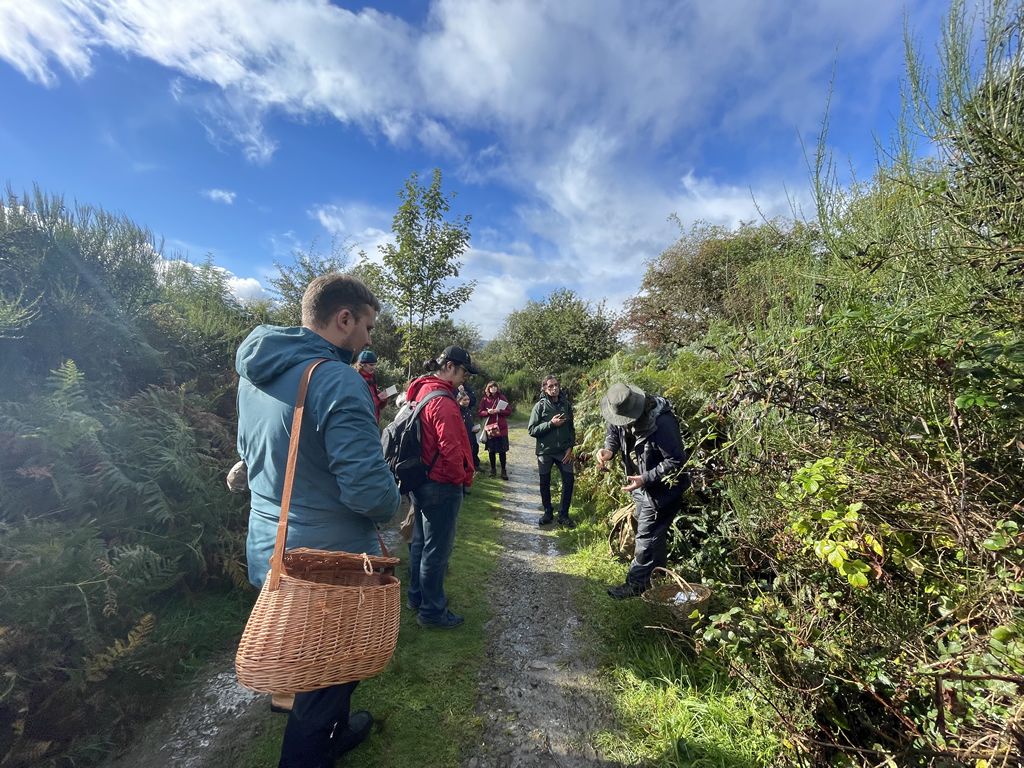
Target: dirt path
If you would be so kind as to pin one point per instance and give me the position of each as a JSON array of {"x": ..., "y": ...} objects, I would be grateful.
[
  {"x": 537, "y": 697},
  {"x": 537, "y": 701}
]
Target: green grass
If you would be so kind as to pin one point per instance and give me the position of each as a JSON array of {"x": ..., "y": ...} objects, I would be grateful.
[
  {"x": 674, "y": 709},
  {"x": 424, "y": 702}
]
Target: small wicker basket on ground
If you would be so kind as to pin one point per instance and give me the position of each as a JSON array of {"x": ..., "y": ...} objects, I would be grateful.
[
  {"x": 622, "y": 533},
  {"x": 666, "y": 585}
]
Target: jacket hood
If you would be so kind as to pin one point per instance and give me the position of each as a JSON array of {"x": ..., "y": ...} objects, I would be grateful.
[
  {"x": 271, "y": 350},
  {"x": 425, "y": 384}
]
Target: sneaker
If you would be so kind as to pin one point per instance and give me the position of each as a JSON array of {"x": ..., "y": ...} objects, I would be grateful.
[
  {"x": 448, "y": 620},
  {"x": 626, "y": 591},
  {"x": 354, "y": 734},
  {"x": 504, "y": 475},
  {"x": 564, "y": 521},
  {"x": 547, "y": 519}
]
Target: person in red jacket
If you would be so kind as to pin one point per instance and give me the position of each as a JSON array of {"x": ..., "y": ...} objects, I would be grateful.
[
  {"x": 366, "y": 364},
  {"x": 445, "y": 449},
  {"x": 495, "y": 409}
]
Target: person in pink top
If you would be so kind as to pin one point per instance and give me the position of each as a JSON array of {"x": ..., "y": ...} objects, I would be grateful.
[{"x": 495, "y": 409}]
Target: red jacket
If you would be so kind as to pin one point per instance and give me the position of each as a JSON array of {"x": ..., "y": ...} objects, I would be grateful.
[
  {"x": 501, "y": 417},
  {"x": 443, "y": 434},
  {"x": 371, "y": 382}
]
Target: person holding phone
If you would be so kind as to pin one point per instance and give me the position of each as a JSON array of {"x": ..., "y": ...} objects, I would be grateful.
[{"x": 551, "y": 424}]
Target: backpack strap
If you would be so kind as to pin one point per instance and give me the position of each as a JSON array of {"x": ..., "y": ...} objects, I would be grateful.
[{"x": 418, "y": 410}]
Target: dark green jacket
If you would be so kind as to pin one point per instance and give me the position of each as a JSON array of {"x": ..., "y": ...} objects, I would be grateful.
[{"x": 552, "y": 440}]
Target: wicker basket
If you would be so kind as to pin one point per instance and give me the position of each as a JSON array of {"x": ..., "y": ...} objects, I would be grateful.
[
  {"x": 622, "y": 536},
  {"x": 663, "y": 591},
  {"x": 322, "y": 618}
]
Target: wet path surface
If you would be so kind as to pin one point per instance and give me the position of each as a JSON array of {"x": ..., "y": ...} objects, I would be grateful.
[{"x": 537, "y": 699}]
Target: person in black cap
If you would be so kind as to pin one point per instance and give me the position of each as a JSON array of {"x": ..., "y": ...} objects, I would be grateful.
[
  {"x": 445, "y": 449},
  {"x": 645, "y": 432}
]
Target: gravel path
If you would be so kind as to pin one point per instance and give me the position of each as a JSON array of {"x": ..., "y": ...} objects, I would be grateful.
[
  {"x": 537, "y": 697},
  {"x": 537, "y": 700}
]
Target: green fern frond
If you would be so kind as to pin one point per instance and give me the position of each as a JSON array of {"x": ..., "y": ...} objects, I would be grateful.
[{"x": 140, "y": 566}]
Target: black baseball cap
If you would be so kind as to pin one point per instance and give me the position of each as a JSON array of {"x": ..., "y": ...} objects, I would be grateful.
[{"x": 459, "y": 356}]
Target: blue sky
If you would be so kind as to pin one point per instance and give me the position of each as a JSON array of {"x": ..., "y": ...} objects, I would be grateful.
[{"x": 570, "y": 130}]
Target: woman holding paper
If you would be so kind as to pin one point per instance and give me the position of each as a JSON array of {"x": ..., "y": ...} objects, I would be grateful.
[
  {"x": 366, "y": 364},
  {"x": 495, "y": 409}
]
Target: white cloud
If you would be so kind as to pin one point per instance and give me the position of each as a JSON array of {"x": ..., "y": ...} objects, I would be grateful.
[
  {"x": 247, "y": 288},
  {"x": 33, "y": 35},
  {"x": 219, "y": 195},
  {"x": 514, "y": 67},
  {"x": 358, "y": 226},
  {"x": 595, "y": 113}
]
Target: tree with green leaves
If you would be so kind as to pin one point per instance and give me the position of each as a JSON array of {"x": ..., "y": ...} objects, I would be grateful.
[
  {"x": 292, "y": 279},
  {"x": 560, "y": 334},
  {"x": 416, "y": 275}
]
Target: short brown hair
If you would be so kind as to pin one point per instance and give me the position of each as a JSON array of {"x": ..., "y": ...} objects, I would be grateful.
[{"x": 331, "y": 293}]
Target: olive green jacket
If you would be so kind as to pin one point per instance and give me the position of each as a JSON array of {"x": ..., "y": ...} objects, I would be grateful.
[{"x": 552, "y": 440}]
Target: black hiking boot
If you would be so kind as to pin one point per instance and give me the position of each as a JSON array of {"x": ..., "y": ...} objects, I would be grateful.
[
  {"x": 354, "y": 734},
  {"x": 547, "y": 519},
  {"x": 626, "y": 591},
  {"x": 564, "y": 521}
]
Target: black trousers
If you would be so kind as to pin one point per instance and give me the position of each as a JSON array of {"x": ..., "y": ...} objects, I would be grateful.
[
  {"x": 315, "y": 717},
  {"x": 652, "y": 527},
  {"x": 544, "y": 465},
  {"x": 474, "y": 445}
]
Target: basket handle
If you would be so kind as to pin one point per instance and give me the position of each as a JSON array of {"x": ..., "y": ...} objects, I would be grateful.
[
  {"x": 675, "y": 576},
  {"x": 277, "y": 559}
]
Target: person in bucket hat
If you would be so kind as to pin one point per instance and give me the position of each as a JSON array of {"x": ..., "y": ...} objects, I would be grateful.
[{"x": 644, "y": 431}]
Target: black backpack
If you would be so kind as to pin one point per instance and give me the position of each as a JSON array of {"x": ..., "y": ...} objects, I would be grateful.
[{"x": 401, "y": 444}]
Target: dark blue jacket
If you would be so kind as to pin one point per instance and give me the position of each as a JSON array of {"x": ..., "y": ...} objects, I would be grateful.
[{"x": 658, "y": 457}]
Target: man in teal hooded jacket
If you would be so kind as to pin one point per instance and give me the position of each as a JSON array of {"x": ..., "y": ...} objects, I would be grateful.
[{"x": 342, "y": 487}]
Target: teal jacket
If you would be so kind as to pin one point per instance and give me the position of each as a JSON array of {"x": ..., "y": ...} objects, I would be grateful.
[
  {"x": 342, "y": 486},
  {"x": 552, "y": 440}
]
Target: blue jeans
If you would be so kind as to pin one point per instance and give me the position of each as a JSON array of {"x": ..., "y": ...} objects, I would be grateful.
[
  {"x": 433, "y": 536},
  {"x": 565, "y": 469},
  {"x": 307, "y": 737}
]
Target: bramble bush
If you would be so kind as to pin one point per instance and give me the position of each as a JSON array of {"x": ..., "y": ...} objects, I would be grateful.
[{"x": 857, "y": 428}]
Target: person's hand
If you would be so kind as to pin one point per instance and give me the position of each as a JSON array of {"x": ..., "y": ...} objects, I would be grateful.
[
  {"x": 568, "y": 456},
  {"x": 558, "y": 419},
  {"x": 633, "y": 483},
  {"x": 492, "y": 411},
  {"x": 603, "y": 457}
]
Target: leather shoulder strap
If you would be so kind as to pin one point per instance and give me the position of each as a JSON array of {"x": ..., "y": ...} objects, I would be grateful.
[{"x": 277, "y": 559}]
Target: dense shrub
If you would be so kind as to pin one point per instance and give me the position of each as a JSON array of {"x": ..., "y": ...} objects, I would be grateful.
[
  {"x": 111, "y": 469},
  {"x": 859, "y": 444}
]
